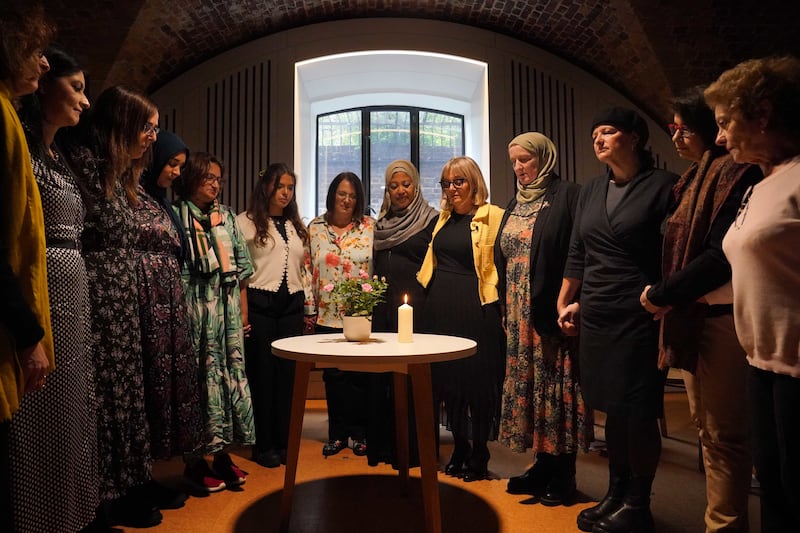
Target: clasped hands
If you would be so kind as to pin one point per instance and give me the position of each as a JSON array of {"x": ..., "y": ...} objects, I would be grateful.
[{"x": 657, "y": 311}]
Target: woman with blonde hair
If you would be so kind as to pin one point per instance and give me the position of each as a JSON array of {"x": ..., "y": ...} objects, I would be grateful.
[{"x": 460, "y": 264}]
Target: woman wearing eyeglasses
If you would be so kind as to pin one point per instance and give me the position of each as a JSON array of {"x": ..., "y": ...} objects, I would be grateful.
[
  {"x": 341, "y": 245},
  {"x": 280, "y": 304},
  {"x": 108, "y": 155},
  {"x": 460, "y": 278},
  {"x": 216, "y": 267},
  {"x": 695, "y": 303}
]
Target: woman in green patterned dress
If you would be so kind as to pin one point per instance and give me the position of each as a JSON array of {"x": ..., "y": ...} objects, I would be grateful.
[
  {"x": 543, "y": 408},
  {"x": 213, "y": 275}
]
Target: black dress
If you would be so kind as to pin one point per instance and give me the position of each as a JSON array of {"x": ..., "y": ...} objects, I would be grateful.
[
  {"x": 470, "y": 388},
  {"x": 617, "y": 255},
  {"x": 399, "y": 265}
]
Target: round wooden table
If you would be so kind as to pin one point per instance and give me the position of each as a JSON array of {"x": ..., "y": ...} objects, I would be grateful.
[{"x": 380, "y": 353}]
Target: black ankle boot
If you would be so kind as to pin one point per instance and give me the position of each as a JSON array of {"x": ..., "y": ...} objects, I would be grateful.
[
  {"x": 534, "y": 481},
  {"x": 478, "y": 463},
  {"x": 634, "y": 515},
  {"x": 461, "y": 454},
  {"x": 561, "y": 488},
  {"x": 618, "y": 479}
]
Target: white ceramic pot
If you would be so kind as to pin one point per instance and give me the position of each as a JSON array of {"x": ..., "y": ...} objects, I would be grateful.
[{"x": 357, "y": 328}]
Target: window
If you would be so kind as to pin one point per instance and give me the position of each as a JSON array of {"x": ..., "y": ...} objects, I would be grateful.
[{"x": 366, "y": 140}]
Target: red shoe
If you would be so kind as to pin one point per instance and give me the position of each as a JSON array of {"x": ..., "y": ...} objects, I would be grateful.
[
  {"x": 202, "y": 478},
  {"x": 230, "y": 473}
]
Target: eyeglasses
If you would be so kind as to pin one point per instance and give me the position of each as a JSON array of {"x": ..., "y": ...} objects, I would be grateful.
[
  {"x": 457, "y": 183},
  {"x": 342, "y": 195},
  {"x": 149, "y": 129},
  {"x": 212, "y": 178},
  {"x": 685, "y": 132}
]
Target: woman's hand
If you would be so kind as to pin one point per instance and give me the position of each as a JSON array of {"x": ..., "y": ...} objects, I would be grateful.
[
  {"x": 34, "y": 367},
  {"x": 309, "y": 323},
  {"x": 568, "y": 318},
  {"x": 658, "y": 312}
]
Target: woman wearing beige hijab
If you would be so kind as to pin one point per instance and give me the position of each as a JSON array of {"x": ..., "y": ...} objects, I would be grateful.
[{"x": 542, "y": 407}]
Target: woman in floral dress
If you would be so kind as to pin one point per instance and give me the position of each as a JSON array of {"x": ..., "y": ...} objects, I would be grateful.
[
  {"x": 218, "y": 262},
  {"x": 341, "y": 245},
  {"x": 171, "y": 387},
  {"x": 543, "y": 407},
  {"x": 109, "y": 156}
]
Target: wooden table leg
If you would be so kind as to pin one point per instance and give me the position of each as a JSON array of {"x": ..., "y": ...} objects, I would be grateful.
[
  {"x": 429, "y": 466},
  {"x": 301, "y": 373},
  {"x": 401, "y": 424}
]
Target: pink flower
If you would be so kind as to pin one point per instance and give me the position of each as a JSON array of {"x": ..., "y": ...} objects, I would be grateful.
[
  {"x": 328, "y": 287},
  {"x": 363, "y": 274},
  {"x": 366, "y": 287}
]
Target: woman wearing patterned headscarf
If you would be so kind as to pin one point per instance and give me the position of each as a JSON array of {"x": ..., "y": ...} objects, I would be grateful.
[{"x": 543, "y": 406}]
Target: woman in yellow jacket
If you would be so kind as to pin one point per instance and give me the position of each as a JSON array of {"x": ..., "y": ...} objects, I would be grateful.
[{"x": 460, "y": 278}]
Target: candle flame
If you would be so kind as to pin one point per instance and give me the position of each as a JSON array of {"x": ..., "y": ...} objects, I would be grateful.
[{"x": 405, "y": 298}]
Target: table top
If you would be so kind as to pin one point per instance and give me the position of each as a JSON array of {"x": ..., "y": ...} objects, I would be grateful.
[{"x": 379, "y": 348}]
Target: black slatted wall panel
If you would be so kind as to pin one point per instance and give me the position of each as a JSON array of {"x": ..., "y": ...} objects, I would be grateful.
[
  {"x": 237, "y": 129},
  {"x": 546, "y": 104}
]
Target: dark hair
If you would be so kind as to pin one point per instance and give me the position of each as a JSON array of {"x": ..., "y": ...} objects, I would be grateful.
[
  {"x": 258, "y": 207},
  {"x": 61, "y": 65},
  {"x": 628, "y": 121},
  {"x": 24, "y": 28},
  {"x": 330, "y": 200},
  {"x": 113, "y": 124},
  {"x": 698, "y": 117},
  {"x": 191, "y": 178}
]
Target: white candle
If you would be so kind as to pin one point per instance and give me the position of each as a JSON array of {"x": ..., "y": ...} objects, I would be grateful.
[{"x": 405, "y": 322}]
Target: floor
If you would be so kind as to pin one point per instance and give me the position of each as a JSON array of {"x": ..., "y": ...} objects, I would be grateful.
[{"x": 343, "y": 494}]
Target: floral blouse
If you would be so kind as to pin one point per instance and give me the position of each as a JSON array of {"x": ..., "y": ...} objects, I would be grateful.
[{"x": 333, "y": 257}]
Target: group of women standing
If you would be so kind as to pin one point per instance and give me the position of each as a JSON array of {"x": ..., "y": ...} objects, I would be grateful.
[{"x": 185, "y": 367}]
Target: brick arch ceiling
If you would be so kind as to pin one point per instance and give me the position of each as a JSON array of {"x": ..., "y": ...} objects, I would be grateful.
[{"x": 647, "y": 49}]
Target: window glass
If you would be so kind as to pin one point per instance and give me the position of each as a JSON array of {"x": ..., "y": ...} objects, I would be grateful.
[
  {"x": 338, "y": 149},
  {"x": 427, "y": 138}
]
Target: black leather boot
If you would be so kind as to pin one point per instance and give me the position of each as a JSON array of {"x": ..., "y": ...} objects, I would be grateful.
[
  {"x": 534, "y": 481},
  {"x": 461, "y": 454},
  {"x": 618, "y": 479},
  {"x": 561, "y": 488},
  {"x": 478, "y": 463},
  {"x": 634, "y": 516}
]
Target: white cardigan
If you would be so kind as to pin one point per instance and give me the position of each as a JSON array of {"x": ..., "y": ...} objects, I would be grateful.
[{"x": 278, "y": 260}]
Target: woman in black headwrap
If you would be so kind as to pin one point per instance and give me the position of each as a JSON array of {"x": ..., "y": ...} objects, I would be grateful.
[
  {"x": 615, "y": 252},
  {"x": 171, "y": 389}
]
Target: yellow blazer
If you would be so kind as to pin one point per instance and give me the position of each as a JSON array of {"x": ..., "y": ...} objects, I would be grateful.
[
  {"x": 485, "y": 225},
  {"x": 23, "y": 233}
]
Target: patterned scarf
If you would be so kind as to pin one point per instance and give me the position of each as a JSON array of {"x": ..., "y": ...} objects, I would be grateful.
[
  {"x": 211, "y": 248},
  {"x": 701, "y": 191}
]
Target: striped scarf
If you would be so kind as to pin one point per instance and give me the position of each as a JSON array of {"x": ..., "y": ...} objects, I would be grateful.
[{"x": 210, "y": 247}]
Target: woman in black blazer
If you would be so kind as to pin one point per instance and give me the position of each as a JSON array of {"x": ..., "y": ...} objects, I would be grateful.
[{"x": 542, "y": 406}]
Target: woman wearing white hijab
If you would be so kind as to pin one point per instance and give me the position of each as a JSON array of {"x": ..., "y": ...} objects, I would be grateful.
[{"x": 542, "y": 405}]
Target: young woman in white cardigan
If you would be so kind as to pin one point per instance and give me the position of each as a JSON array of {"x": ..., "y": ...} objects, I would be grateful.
[{"x": 280, "y": 304}]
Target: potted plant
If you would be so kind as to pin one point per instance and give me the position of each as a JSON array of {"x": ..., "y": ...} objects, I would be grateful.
[{"x": 356, "y": 298}]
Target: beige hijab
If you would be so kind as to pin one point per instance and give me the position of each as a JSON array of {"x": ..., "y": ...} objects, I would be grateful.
[{"x": 545, "y": 151}]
